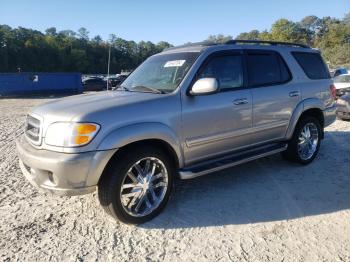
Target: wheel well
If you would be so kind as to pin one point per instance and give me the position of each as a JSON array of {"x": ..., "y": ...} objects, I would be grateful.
[
  {"x": 317, "y": 113},
  {"x": 157, "y": 143}
]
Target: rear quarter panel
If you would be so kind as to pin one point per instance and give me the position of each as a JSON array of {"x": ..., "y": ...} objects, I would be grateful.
[{"x": 315, "y": 93}]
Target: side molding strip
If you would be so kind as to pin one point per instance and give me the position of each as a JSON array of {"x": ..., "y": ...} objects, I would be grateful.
[{"x": 197, "y": 141}]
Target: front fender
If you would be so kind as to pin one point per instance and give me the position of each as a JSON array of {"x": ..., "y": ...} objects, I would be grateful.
[
  {"x": 142, "y": 131},
  {"x": 304, "y": 105}
]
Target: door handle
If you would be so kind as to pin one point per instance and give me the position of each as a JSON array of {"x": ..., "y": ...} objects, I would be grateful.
[
  {"x": 294, "y": 93},
  {"x": 240, "y": 101}
]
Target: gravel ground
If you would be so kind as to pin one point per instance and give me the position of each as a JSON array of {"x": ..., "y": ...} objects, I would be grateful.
[{"x": 266, "y": 210}]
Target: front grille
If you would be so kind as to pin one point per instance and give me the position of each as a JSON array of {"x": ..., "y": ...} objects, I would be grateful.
[{"x": 32, "y": 129}]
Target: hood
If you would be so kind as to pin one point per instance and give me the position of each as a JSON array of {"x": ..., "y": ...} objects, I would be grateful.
[{"x": 75, "y": 107}]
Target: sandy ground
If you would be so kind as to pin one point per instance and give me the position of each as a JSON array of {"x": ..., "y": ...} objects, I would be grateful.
[{"x": 266, "y": 210}]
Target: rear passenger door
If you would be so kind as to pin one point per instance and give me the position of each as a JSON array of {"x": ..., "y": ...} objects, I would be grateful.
[{"x": 274, "y": 94}]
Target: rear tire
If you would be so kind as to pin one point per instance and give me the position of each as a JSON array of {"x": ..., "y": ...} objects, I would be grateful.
[
  {"x": 136, "y": 186},
  {"x": 306, "y": 141}
]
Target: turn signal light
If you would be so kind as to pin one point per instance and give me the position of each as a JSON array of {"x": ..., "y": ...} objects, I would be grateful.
[
  {"x": 79, "y": 140},
  {"x": 86, "y": 129}
]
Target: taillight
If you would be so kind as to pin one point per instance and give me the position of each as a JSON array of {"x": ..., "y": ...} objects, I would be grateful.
[{"x": 333, "y": 91}]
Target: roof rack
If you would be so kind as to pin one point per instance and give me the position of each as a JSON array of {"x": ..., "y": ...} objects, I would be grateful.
[{"x": 234, "y": 42}]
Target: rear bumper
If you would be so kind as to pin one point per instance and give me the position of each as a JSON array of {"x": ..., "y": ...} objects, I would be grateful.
[
  {"x": 62, "y": 173},
  {"x": 329, "y": 115}
]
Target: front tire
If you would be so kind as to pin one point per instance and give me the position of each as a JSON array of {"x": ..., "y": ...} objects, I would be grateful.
[
  {"x": 137, "y": 184},
  {"x": 306, "y": 141}
]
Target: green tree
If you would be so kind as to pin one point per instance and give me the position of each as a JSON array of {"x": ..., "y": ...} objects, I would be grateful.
[
  {"x": 83, "y": 33},
  {"x": 51, "y": 31},
  {"x": 346, "y": 19},
  {"x": 289, "y": 31},
  {"x": 330, "y": 35},
  {"x": 67, "y": 51},
  {"x": 97, "y": 40},
  {"x": 220, "y": 38},
  {"x": 252, "y": 35},
  {"x": 335, "y": 44},
  {"x": 162, "y": 45}
]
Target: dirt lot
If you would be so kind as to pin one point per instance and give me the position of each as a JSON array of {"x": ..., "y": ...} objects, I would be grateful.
[{"x": 266, "y": 210}]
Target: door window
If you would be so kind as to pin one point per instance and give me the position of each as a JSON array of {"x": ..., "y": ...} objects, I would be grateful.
[
  {"x": 266, "y": 68},
  {"x": 227, "y": 70}
]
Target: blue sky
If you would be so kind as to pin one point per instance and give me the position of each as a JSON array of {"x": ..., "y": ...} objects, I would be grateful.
[{"x": 177, "y": 21}]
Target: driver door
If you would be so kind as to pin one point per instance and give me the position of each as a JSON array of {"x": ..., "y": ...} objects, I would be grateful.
[{"x": 221, "y": 122}]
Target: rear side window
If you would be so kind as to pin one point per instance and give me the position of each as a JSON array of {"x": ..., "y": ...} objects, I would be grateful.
[
  {"x": 312, "y": 64},
  {"x": 266, "y": 68}
]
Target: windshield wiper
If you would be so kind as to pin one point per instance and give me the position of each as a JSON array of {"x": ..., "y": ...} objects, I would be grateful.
[
  {"x": 153, "y": 90},
  {"x": 120, "y": 87}
]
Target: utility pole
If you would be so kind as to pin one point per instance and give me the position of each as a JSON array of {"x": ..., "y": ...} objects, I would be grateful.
[{"x": 109, "y": 62}]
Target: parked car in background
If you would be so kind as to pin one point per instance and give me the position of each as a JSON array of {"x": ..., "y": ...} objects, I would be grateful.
[
  {"x": 117, "y": 80},
  {"x": 343, "y": 107},
  {"x": 183, "y": 113},
  {"x": 342, "y": 84},
  {"x": 340, "y": 71},
  {"x": 94, "y": 84}
]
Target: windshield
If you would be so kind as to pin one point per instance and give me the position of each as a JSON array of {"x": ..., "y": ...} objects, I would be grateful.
[
  {"x": 342, "y": 79},
  {"x": 160, "y": 73}
]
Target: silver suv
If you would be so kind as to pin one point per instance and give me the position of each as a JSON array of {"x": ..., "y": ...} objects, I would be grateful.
[{"x": 186, "y": 112}]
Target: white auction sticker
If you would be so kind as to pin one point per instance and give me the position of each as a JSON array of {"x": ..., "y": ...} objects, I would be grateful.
[{"x": 174, "y": 63}]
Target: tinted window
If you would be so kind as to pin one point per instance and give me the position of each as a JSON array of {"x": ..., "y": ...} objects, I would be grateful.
[
  {"x": 266, "y": 68},
  {"x": 227, "y": 70},
  {"x": 312, "y": 64},
  {"x": 285, "y": 74}
]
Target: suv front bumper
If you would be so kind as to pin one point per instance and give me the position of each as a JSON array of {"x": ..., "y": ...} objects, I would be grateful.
[{"x": 62, "y": 173}]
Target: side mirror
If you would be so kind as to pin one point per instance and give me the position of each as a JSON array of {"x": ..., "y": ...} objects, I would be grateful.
[{"x": 204, "y": 86}]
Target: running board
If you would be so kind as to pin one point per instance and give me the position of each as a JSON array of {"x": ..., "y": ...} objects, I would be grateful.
[{"x": 230, "y": 160}]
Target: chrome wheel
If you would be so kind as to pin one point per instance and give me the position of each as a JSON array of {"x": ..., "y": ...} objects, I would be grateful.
[
  {"x": 144, "y": 187},
  {"x": 308, "y": 141}
]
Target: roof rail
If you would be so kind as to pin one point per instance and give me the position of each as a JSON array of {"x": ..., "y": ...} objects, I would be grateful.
[
  {"x": 238, "y": 41},
  {"x": 204, "y": 43}
]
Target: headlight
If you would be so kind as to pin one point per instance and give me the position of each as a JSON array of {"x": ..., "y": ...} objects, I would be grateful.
[{"x": 67, "y": 134}]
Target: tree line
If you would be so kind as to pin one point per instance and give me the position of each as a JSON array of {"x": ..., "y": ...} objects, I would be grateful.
[
  {"x": 330, "y": 35},
  {"x": 68, "y": 51}
]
